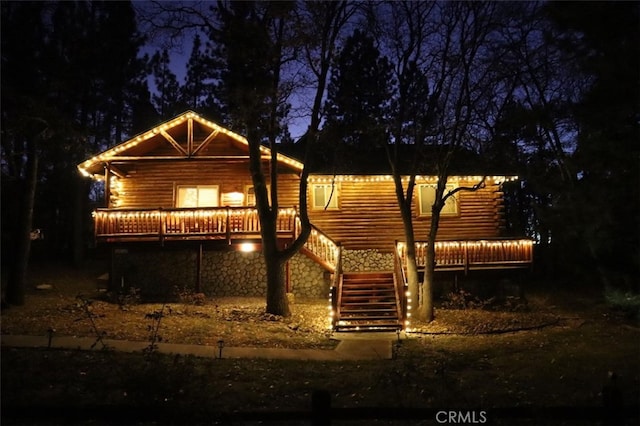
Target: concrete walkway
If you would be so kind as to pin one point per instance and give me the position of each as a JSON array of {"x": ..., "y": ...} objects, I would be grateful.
[{"x": 352, "y": 346}]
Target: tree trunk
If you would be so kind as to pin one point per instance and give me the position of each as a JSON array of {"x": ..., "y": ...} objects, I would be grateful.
[
  {"x": 425, "y": 308},
  {"x": 412, "y": 266},
  {"x": 277, "y": 301},
  {"x": 77, "y": 227},
  {"x": 18, "y": 270}
]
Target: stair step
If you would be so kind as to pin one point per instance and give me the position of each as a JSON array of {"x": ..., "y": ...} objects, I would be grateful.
[
  {"x": 368, "y": 284},
  {"x": 366, "y": 310},
  {"x": 368, "y": 327},
  {"x": 378, "y": 293},
  {"x": 369, "y": 318},
  {"x": 368, "y": 274},
  {"x": 385, "y": 305},
  {"x": 368, "y": 287},
  {"x": 368, "y": 302}
]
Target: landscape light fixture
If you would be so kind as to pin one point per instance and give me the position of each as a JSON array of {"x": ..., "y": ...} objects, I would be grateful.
[
  {"x": 220, "y": 346},
  {"x": 50, "y": 332}
]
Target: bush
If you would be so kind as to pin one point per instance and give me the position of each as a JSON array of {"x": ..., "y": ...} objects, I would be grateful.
[{"x": 626, "y": 303}]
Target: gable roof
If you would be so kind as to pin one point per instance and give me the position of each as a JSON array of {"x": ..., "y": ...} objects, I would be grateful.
[{"x": 187, "y": 136}]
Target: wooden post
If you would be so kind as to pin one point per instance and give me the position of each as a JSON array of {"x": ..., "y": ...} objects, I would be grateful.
[
  {"x": 228, "y": 226},
  {"x": 466, "y": 257},
  {"x": 161, "y": 225},
  {"x": 107, "y": 185},
  {"x": 199, "y": 269}
]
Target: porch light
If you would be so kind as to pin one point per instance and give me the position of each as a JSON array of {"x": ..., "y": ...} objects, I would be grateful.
[{"x": 247, "y": 247}]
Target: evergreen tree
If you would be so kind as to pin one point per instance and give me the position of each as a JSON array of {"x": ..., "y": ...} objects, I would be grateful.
[
  {"x": 359, "y": 94},
  {"x": 604, "y": 203},
  {"x": 166, "y": 98},
  {"x": 198, "y": 92},
  {"x": 65, "y": 67}
]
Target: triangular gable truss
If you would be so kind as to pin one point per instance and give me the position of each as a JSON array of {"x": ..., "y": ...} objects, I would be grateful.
[{"x": 93, "y": 167}]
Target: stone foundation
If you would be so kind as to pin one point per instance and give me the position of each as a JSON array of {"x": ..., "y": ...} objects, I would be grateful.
[
  {"x": 366, "y": 261},
  {"x": 158, "y": 272}
]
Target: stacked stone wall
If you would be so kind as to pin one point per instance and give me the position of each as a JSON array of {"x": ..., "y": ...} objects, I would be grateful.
[
  {"x": 366, "y": 261},
  {"x": 155, "y": 273},
  {"x": 158, "y": 273}
]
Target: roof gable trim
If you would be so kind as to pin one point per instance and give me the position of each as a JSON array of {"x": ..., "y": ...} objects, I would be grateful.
[{"x": 190, "y": 116}]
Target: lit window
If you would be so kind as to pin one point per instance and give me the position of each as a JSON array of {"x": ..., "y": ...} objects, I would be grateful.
[
  {"x": 197, "y": 196},
  {"x": 232, "y": 199},
  {"x": 250, "y": 195},
  {"x": 324, "y": 196},
  {"x": 427, "y": 195}
]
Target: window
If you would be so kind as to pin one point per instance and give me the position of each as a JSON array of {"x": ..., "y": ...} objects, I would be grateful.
[
  {"x": 232, "y": 199},
  {"x": 197, "y": 196},
  {"x": 250, "y": 195},
  {"x": 324, "y": 196},
  {"x": 426, "y": 197}
]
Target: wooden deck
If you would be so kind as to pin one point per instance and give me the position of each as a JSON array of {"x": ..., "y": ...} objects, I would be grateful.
[
  {"x": 469, "y": 255},
  {"x": 116, "y": 225},
  {"x": 230, "y": 225},
  {"x": 242, "y": 223}
]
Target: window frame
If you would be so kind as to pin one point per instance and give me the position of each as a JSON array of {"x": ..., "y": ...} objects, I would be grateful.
[
  {"x": 451, "y": 201},
  {"x": 178, "y": 187},
  {"x": 334, "y": 204},
  {"x": 248, "y": 196}
]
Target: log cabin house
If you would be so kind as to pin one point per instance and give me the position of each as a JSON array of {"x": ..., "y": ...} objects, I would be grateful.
[{"x": 179, "y": 214}]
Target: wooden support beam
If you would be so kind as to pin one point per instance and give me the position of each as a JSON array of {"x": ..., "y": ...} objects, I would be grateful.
[
  {"x": 107, "y": 185},
  {"x": 199, "y": 269},
  {"x": 126, "y": 159},
  {"x": 190, "y": 136},
  {"x": 116, "y": 171},
  {"x": 206, "y": 141},
  {"x": 173, "y": 142}
]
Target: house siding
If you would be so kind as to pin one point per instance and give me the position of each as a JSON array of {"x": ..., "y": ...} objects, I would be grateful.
[
  {"x": 369, "y": 216},
  {"x": 151, "y": 184}
]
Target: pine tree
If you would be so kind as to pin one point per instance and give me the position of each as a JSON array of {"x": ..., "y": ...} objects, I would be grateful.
[
  {"x": 166, "y": 98},
  {"x": 359, "y": 94}
]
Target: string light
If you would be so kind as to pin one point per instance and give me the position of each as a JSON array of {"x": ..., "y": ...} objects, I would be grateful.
[
  {"x": 109, "y": 154},
  {"x": 497, "y": 180}
]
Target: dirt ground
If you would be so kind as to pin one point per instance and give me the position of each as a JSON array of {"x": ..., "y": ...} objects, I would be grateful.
[{"x": 561, "y": 352}]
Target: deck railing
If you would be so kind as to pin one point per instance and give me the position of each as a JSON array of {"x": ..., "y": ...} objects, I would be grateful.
[
  {"x": 321, "y": 247},
  {"x": 466, "y": 255},
  {"x": 215, "y": 223},
  {"x": 165, "y": 224}
]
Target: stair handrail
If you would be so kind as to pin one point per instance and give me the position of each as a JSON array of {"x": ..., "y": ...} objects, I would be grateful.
[
  {"x": 322, "y": 247},
  {"x": 336, "y": 288},
  {"x": 401, "y": 293}
]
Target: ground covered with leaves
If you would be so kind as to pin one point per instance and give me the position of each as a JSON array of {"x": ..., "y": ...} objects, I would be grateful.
[
  {"x": 67, "y": 302},
  {"x": 71, "y": 305},
  {"x": 556, "y": 359}
]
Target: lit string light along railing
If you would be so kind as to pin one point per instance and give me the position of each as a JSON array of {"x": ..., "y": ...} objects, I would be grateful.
[{"x": 475, "y": 254}]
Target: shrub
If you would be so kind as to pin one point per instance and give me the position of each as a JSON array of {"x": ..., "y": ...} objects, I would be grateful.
[{"x": 626, "y": 303}]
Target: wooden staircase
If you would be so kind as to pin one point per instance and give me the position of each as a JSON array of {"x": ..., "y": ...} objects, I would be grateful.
[{"x": 368, "y": 301}]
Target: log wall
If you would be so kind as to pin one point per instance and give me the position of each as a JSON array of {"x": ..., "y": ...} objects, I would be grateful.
[
  {"x": 152, "y": 184},
  {"x": 369, "y": 217}
]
